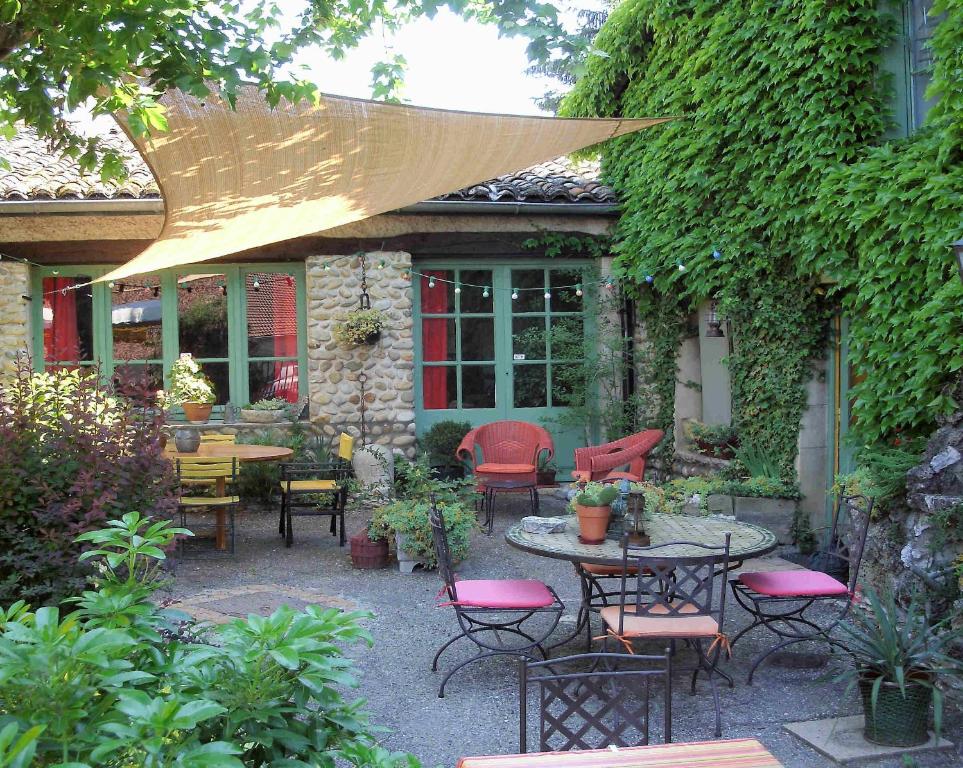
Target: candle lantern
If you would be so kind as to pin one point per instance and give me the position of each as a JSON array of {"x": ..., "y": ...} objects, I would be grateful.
[
  {"x": 634, "y": 523},
  {"x": 619, "y": 508}
]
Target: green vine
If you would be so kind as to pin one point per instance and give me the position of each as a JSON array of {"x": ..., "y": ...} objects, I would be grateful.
[{"x": 772, "y": 179}]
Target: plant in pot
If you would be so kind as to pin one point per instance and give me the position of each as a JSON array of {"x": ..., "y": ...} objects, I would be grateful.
[
  {"x": 440, "y": 443},
  {"x": 407, "y": 520},
  {"x": 717, "y": 440},
  {"x": 361, "y": 327},
  {"x": 593, "y": 506},
  {"x": 900, "y": 657},
  {"x": 190, "y": 389},
  {"x": 368, "y": 553},
  {"x": 266, "y": 411},
  {"x": 545, "y": 470}
]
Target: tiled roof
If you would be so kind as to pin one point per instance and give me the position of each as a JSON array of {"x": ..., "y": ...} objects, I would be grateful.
[{"x": 37, "y": 174}]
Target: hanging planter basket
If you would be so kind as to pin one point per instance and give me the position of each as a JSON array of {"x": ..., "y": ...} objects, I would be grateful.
[{"x": 360, "y": 328}]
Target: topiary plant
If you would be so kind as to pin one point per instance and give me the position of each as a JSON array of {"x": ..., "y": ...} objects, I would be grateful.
[{"x": 442, "y": 440}]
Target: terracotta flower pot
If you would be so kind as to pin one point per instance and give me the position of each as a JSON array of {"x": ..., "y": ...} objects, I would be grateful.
[
  {"x": 197, "y": 413},
  {"x": 592, "y": 523}
]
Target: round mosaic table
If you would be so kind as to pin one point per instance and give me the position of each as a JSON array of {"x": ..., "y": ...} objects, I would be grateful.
[{"x": 747, "y": 540}]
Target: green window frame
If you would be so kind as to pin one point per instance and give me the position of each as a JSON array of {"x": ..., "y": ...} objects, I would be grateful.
[{"x": 235, "y": 279}]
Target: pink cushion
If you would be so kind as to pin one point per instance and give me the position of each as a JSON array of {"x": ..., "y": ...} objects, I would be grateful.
[
  {"x": 503, "y": 593},
  {"x": 801, "y": 583}
]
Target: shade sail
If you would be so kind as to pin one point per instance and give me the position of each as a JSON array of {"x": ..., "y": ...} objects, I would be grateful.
[{"x": 238, "y": 179}]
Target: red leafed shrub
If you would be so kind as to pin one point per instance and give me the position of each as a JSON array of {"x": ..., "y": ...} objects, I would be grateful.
[{"x": 73, "y": 453}]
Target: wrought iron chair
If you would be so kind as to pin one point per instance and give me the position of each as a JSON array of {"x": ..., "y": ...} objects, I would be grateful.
[
  {"x": 593, "y": 708},
  {"x": 779, "y": 600},
  {"x": 601, "y": 462},
  {"x": 486, "y": 608},
  {"x": 302, "y": 483},
  {"x": 218, "y": 477},
  {"x": 672, "y": 599}
]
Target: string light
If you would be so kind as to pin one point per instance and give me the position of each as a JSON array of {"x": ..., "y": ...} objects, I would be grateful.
[
  {"x": 431, "y": 281},
  {"x": 681, "y": 267},
  {"x": 716, "y": 255},
  {"x": 457, "y": 289},
  {"x": 514, "y": 293},
  {"x": 578, "y": 289},
  {"x": 406, "y": 275},
  {"x": 548, "y": 294},
  {"x": 111, "y": 285},
  {"x": 649, "y": 278},
  {"x": 381, "y": 264},
  {"x": 485, "y": 293},
  {"x": 256, "y": 285}
]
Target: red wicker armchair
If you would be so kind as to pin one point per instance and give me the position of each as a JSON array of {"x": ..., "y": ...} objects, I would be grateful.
[
  {"x": 508, "y": 448},
  {"x": 602, "y": 462}
]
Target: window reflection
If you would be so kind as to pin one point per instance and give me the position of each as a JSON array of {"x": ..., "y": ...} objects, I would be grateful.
[
  {"x": 68, "y": 320},
  {"x": 202, "y": 315}
]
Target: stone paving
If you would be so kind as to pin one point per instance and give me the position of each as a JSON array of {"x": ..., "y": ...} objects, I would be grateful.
[{"x": 479, "y": 714}]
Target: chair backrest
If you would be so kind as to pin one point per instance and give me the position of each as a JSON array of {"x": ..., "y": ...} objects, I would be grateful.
[
  {"x": 214, "y": 437},
  {"x": 671, "y": 586},
  {"x": 513, "y": 442},
  {"x": 207, "y": 468},
  {"x": 345, "y": 446},
  {"x": 593, "y": 708},
  {"x": 843, "y": 548},
  {"x": 439, "y": 538}
]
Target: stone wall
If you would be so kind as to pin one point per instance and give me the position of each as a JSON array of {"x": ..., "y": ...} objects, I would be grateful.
[
  {"x": 386, "y": 369},
  {"x": 14, "y": 313}
]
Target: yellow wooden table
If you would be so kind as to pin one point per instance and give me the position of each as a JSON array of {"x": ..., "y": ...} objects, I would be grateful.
[{"x": 729, "y": 753}]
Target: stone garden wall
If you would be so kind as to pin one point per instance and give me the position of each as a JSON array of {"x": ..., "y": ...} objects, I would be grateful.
[
  {"x": 385, "y": 369},
  {"x": 14, "y": 313}
]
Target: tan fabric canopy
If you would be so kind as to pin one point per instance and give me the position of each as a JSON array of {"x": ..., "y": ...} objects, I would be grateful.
[{"x": 244, "y": 178}]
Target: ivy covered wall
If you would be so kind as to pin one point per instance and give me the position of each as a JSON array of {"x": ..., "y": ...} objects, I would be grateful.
[{"x": 774, "y": 178}]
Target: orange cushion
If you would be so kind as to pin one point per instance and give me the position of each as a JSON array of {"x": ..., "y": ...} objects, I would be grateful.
[
  {"x": 652, "y": 625},
  {"x": 490, "y": 467},
  {"x": 606, "y": 570}
]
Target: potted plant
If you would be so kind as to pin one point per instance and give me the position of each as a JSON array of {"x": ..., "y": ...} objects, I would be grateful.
[
  {"x": 266, "y": 411},
  {"x": 368, "y": 553},
  {"x": 900, "y": 657},
  {"x": 593, "y": 506},
  {"x": 360, "y": 327},
  {"x": 190, "y": 389},
  {"x": 440, "y": 443},
  {"x": 545, "y": 471},
  {"x": 407, "y": 520},
  {"x": 718, "y": 440}
]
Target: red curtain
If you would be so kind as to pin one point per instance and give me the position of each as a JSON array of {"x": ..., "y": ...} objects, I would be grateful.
[
  {"x": 284, "y": 312},
  {"x": 434, "y": 342},
  {"x": 61, "y": 340}
]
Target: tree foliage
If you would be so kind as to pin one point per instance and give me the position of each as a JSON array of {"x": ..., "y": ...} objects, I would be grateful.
[
  {"x": 775, "y": 177},
  {"x": 57, "y": 56}
]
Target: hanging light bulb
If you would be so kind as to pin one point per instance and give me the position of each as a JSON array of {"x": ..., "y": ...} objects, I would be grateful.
[
  {"x": 485, "y": 293},
  {"x": 55, "y": 272},
  {"x": 578, "y": 289},
  {"x": 457, "y": 289},
  {"x": 649, "y": 278},
  {"x": 681, "y": 267},
  {"x": 716, "y": 255},
  {"x": 431, "y": 282},
  {"x": 406, "y": 275},
  {"x": 111, "y": 285},
  {"x": 548, "y": 294},
  {"x": 256, "y": 285},
  {"x": 381, "y": 264},
  {"x": 327, "y": 267},
  {"x": 514, "y": 293}
]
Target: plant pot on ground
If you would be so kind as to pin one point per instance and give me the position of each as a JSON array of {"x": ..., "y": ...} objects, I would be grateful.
[
  {"x": 440, "y": 443},
  {"x": 593, "y": 507},
  {"x": 368, "y": 554},
  {"x": 407, "y": 520},
  {"x": 899, "y": 657},
  {"x": 545, "y": 471}
]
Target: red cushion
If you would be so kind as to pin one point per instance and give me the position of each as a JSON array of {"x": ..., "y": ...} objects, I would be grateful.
[
  {"x": 802, "y": 583},
  {"x": 490, "y": 467},
  {"x": 503, "y": 593}
]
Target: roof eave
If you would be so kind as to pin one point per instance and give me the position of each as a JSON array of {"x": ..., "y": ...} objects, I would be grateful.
[{"x": 513, "y": 208}]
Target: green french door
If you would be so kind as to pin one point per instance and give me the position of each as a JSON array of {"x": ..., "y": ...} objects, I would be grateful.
[{"x": 492, "y": 341}]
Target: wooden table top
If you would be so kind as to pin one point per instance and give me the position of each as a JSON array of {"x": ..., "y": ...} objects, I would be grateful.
[
  {"x": 242, "y": 452},
  {"x": 728, "y": 753},
  {"x": 747, "y": 540}
]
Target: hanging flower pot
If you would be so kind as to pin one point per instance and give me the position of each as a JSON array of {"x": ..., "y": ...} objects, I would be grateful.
[{"x": 362, "y": 327}]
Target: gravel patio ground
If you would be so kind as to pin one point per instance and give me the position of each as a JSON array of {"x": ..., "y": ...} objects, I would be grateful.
[{"x": 479, "y": 714}]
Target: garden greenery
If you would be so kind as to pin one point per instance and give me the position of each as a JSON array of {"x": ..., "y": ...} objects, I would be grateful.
[
  {"x": 120, "y": 682},
  {"x": 360, "y": 327},
  {"x": 189, "y": 384},
  {"x": 774, "y": 178}
]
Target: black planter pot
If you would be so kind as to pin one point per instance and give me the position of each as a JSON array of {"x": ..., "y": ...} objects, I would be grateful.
[
  {"x": 372, "y": 338},
  {"x": 896, "y": 721},
  {"x": 449, "y": 472}
]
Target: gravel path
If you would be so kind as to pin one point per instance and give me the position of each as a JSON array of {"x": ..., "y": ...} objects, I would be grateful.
[{"x": 479, "y": 713}]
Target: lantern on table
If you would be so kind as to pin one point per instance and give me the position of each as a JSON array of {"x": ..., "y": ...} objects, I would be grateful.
[{"x": 634, "y": 522}]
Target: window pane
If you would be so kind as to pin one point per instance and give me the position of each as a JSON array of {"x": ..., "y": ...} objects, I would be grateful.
[
  {"x": 272, "y": 317},
  {"x": 565, "y": 299},
  {"x": 439, "y": 387},
  {"x": 531, "y": 300},
  {"x": 68, "y": 320},
  {"x": 564, "y": 380},
  {"x": 568, "y": 338},
  {"x": 441, "y": 298},
  {"x": 477, "y": 338},
  {"x": 478, "y": 386},
  {"x": 135, "y": 321},
  {"x": 202, "y": 315},
  {"x": 473, "y": 300},
  {"x": 139, "y": 381},
  {"x": 437, "y": 339},
  {"x": 528, "y": 338},
  {"x": 531, "y": 390},
  {"x": 219, "y": 376},
  {"x": 268, "y": 379}
]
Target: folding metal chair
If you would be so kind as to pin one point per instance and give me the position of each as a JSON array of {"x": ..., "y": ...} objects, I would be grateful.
[
  {"x": 672, "y": 599},
  {"x": 303, "y": 482},
  {"x": 779, "y": 600},
  {"x": 217, "y": 478},
  {"x": 592, "y": 708},
  {"x": 488, "y": 608}
]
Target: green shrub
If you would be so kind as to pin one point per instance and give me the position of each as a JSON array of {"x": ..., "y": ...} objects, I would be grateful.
[
  {"x": 120, "y": 682},
  {"x": 410, "y": 519},
  {"x": 442, "y": 440}
]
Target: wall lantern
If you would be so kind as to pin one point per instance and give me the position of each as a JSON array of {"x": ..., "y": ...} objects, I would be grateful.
[{"x": 713, "y": 326}]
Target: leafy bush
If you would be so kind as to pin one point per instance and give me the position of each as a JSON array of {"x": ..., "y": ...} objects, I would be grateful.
[
  {"x": 72, "y": 455},
  {"x": 360, "y": 327},
  {"x": 680, "y": 491},
  {"x": 758, "y": 462},
  {"x": 719, "y": 440},
  {"x": 189, "y": 384},
  {"x": 119, "y": 682},
  {"x": 442, "y": 440},
  {"x": 269, "y": 404}
]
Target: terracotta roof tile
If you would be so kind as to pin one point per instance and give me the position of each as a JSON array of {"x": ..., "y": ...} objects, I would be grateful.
[{"x": 37, "y": 174}]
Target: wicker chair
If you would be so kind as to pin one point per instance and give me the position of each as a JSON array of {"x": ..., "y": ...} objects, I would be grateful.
[{"x": 601, "y": 463}]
